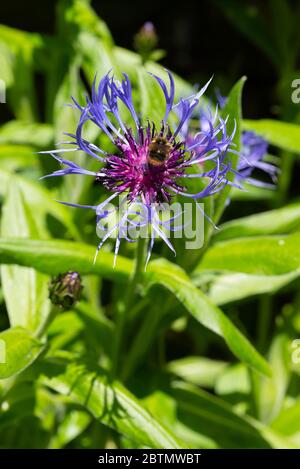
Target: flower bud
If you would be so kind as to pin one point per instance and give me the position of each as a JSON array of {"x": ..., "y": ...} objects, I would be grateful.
[
  {"x": 146, "y": 39},
  {"x": 65, "y": 290}
]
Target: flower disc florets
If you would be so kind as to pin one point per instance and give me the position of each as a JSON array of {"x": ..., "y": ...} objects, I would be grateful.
[{"x": 146, "y": 167}]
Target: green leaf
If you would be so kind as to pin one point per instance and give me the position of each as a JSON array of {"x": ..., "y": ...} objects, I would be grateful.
[
  {"x": 66, "y": 117},
  {"x": 252, "y": 193},
  {"x": 110, "y": 403},
  {"x": 232, "y": 110},
  {"x": 161, "y": 404},
  {"x": 197, "y": 370},
  {"x": 73, "y": 425},
  {"x": 280, "y": 221},
  {"x": 21, "y": 350},
  {"x": 213, "y": 417},
  {"x": 249, "y": 266},
  {"x": 24, "y": 133},
  {"x": 98, "y": 57},
  {"x": 129, "y": 61},
  {"x": 54, "y": 257},
  {"x": 99, "y": 326},
  {"x": 14, "y": 157},
  {"x": 261, "y": 255},
  {"x": 153, "y": 103},
  {"x": 281, "y": 134},
  {"x": 40, "y": 201},
  {"x": 79, "y": 15},
  {"x": 270, "y": 392},
  {"x": 65, "y": 120},
  {"x": 18, "y": 47},
  {"x": 83, "y": 40},
  {"x": 226, "y": 288},
  {"x": 207, "y": 414},
  {"x": 203, "y": 310},
  {"x": 67, "y": 326},
  {"x": 288, "y": 421},
  {"x": 234, "y": 379},
  {"x": 65, "y": 329},
  {"x": 17, "y": 404},
  {"x": 6, "y": 73},
  {"x": 25, "y": 290}
]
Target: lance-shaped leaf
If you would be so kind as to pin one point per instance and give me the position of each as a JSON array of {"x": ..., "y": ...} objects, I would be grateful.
[
  {"x": 260, "y": 255},
  {"x": 203, "y": 310},
  {"x": 113, "y": 405},
  {"x": 53, "y": 257},
  {"x": 281, "y": 134},
  {"x": 18, "y": 350},
  {"x": 25, "y": 290},
  {"x": 233, "y": 112},
  {"x": 280, "y": 221}
]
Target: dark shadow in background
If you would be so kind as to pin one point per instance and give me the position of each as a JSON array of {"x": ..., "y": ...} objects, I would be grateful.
[{"x": 198, "y": 39}]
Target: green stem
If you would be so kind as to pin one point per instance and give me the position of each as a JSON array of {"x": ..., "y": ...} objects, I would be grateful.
[
  {"x": 48, "y": 320},
  {"x": 126, "y": 304},
  {"x": 146, "y": 334},
  {"x": 287, "y": 163},
  {"x": 255, "y": 381},
  {"x": 264, "y": 322},
  {"x": 141, "y": 342},
  {"x": 161, "y": 350},
  {"x": 263, "y": 332}
]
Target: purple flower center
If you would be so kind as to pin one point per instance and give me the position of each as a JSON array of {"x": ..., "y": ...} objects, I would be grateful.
[{"x": 147, "y": 166}]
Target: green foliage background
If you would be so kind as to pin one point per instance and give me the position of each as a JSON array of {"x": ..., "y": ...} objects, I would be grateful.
[{"x": 201, "y": 354}]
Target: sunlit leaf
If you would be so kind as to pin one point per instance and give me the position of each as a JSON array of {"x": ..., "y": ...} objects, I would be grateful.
[
  {"x": 21, "y": 350},
  {"x": 129, "y": 61},
  {"x": 112, "y": 405},
  {"x": 288, "y": 421},
  {"x": 212, "y": 416},
  {"x": 197, "y": 370},
  {"x": 270, "y": 392},
  {"x": 19, "y": 47},
  {"x": 226, "y": 288},
  {"x": 24, "y": 133},
  {"x": 153, "y": 103},
  {"x": 260, "y": 255},
  {"x": 284, "y": 135},
  {"x": 39, "y": 200},
  {"x": 74, "y": 423},
  {"x": 25, "y": 290},
  {"x": 54, "y": 257},
  {"x": 14, "y": 157},
  {"x": 279, "y": 221},
  {"x": 203, "y": 310},
  {"x": 234, "y": 379}
]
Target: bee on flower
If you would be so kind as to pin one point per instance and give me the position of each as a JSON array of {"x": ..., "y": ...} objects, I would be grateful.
[{"x": 149, "y": 165}]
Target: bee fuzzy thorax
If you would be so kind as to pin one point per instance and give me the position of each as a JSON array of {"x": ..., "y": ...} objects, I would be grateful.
[{"x": 158, "y": 151}]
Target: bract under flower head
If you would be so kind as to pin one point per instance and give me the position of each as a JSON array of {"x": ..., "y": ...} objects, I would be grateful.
[{"x": 149, "y": 164}]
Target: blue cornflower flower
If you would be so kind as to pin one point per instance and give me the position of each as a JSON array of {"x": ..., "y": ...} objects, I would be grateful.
[{"x": 149, "y": 165}]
